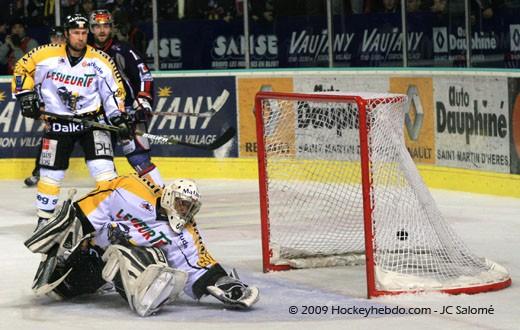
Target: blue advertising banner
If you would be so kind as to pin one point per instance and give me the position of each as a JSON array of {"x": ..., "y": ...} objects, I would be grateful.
[
  {"x": 211, "y": 45},
  {"x": 358, "y": 40},
  {"x": 204, "y": 108},
  {"x": 19, "y": 136}
]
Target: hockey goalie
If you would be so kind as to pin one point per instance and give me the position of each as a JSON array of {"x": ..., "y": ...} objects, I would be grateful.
[{"x": 142, "y": 238}]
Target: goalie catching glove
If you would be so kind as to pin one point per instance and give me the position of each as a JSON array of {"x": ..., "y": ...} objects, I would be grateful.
[
  {"x": 29, "y": 104},
  {"x": 233, "y": 293}
]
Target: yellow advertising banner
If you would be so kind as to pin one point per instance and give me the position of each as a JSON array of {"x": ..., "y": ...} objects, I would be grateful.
[
  {"x": 419, "y": 130},
  {"x": 247, "y": 89}
]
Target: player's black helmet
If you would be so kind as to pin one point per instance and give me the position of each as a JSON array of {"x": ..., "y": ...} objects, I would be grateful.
[{"x": 75, "y": 21}]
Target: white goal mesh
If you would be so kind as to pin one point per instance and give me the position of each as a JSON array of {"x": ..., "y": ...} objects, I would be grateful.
[{"x": 313, "y": 192}]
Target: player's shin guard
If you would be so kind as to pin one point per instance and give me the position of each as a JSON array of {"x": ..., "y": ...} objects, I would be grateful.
[
  {"x": 101, "y": 169},
  {"x": 147, "y": 281},
  {"x": 155, "y": 176},
  {"x": 142, "y": 164},
  {"x": 47, "y": 194}
]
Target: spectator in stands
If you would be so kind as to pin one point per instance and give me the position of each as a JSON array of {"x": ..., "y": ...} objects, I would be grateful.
[
  {"x": 87, "y": 6},
  {"x": 126, "y": 30},
  {"x": 15, "y": 9},
  {"x": 389, "y": 6},
  {"x": 341, "y": 7},
  {"x": 361, "y": 6},
  {"x": 259, "y": 10},
  {"x": 106, "y": 4},
  {"x": 413, "y": 6},
  {"x": 123, "y": 5},
  {"x": 3, "y": 34},
  {"x": 56, "y": 36},
  {"x": 300, "y": 8},
  {"x": 439, "y": 7},
  {"x": 16, "y": 45},
  {"x": 219, "y": 10},
  {"x": 3, "y": 29},
  {"x": 70, "y": 7},
  {"x": 482, "y": 9},
  {"x": 48, "y": 12},
  {"x": 35, "y": 12}
]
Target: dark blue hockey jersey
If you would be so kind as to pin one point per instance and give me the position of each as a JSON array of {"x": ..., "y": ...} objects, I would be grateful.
[{"x": 136, "y": 75}]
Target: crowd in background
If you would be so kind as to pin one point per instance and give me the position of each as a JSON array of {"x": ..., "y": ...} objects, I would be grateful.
[
  {"x": 38, "y": 12},
  {"x": 19, "y": 15}
]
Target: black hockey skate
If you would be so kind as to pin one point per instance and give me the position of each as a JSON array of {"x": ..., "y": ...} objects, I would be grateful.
[{"x": 32, "y": 180}]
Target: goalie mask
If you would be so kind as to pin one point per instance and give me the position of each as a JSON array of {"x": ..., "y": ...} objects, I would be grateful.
[{"x": 180, "y": 200}]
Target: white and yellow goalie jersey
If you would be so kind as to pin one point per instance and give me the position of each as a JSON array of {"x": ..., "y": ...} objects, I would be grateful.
[
  {"x": 127, "y": 208},
  {"x": 65, "y": 89}
]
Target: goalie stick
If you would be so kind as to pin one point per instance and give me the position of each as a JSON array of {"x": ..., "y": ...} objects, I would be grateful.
[
  {"x": 219, "y": 142},
  {"x": 215, "y": 107}
]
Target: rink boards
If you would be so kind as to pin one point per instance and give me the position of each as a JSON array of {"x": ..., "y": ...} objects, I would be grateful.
[{"x": 463, "y": 127}]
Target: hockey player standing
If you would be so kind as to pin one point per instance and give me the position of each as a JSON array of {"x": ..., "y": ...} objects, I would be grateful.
[
  {"x": 71, "y": 79},
  {"x": 154, "y": 248},
  {"x": 55, "y": 37},
  {"x": 138, "y": 83}
]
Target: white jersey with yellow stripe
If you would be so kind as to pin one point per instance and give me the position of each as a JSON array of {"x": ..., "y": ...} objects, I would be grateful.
[
  {"x": 129, "y": 204},
  {"x": 67, "y": 89}
]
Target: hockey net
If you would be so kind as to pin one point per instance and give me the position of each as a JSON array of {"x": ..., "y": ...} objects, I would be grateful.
[{"x": 338, "y": 187}]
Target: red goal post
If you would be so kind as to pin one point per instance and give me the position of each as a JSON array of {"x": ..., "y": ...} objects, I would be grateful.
[{"x": 338, "y": 187}]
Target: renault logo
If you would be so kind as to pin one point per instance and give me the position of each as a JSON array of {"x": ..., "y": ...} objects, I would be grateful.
[
  {"x": 413, "y": 128},
  {"x": 440, "y": 40}
]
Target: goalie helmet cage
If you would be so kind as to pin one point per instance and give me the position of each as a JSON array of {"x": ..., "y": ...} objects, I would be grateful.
[{"x": 338, "y": 187}]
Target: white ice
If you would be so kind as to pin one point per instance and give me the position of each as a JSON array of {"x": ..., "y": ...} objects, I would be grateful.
[{"x": 230, "y": 223}]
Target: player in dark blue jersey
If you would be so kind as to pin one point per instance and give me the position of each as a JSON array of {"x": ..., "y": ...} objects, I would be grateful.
[{"x": 138, "y": 83}]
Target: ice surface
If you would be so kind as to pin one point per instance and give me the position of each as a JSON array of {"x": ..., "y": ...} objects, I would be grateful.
[{"x": 229, "y": 222}]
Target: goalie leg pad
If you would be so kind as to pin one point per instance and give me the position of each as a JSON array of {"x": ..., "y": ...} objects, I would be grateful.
[
  {"x": 147, "y": 281},
  {"x": 63, "y": 228}
]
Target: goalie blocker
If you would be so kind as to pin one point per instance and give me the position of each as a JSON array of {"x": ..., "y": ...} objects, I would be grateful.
[{"x": 140, "y": 272}]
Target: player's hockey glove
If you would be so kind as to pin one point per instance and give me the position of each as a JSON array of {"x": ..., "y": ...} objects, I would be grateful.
[
  {"x": 29, "y": 103},
  {"x": 143, "y": 109},
  {"x": 122, "y": 121}
]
